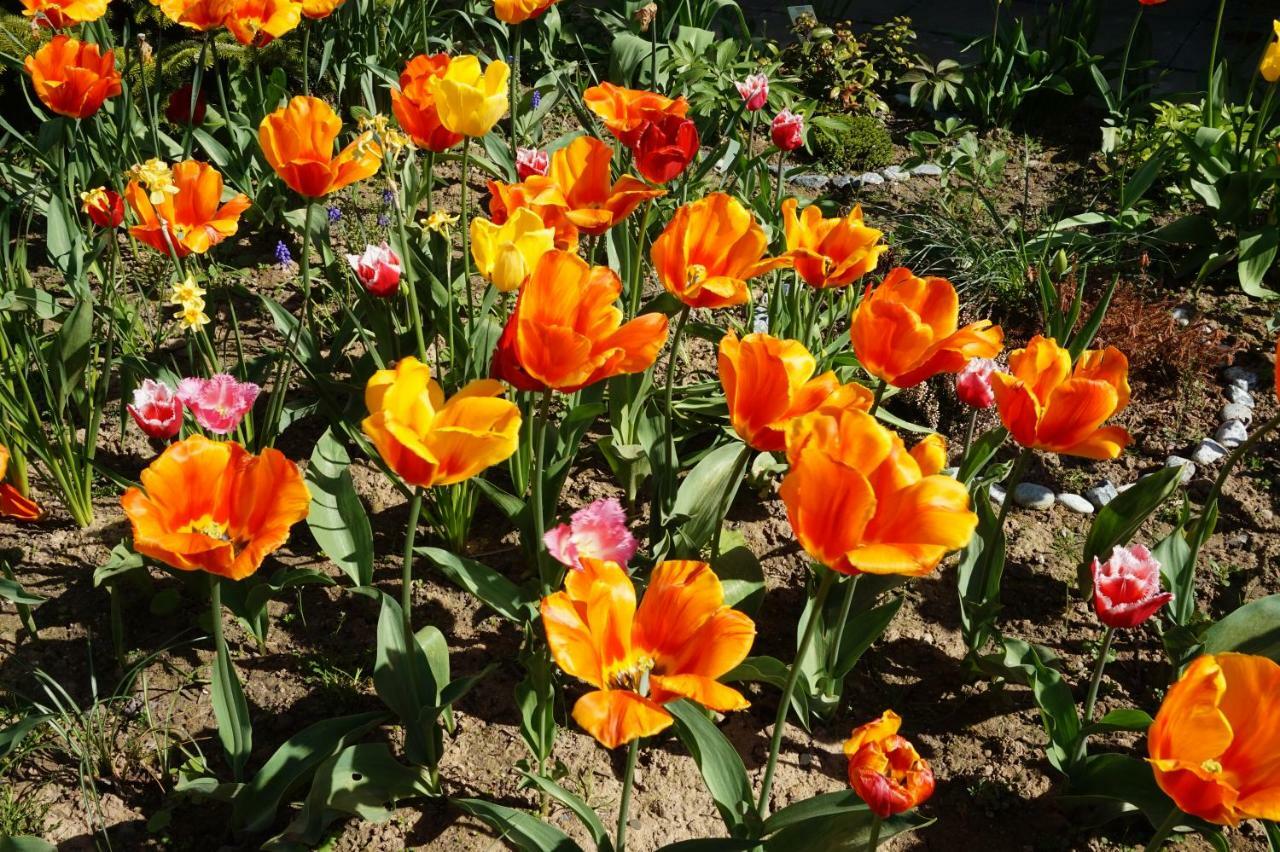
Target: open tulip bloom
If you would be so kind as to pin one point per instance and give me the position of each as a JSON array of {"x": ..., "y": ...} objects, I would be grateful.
[{"x": 884, "y": 768}]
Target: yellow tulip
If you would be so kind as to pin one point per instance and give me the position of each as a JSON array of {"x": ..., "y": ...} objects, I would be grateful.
[
  {"x": 1270, "y": 67},
  {"x": 505, "y": 254},
  {"x": 468, "y": 100}
]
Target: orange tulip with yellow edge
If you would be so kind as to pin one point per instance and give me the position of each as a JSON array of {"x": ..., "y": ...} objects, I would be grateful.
[
  {"x": 1046, "y": 404},
  {"x": 415, "y": 106},
  {"x": 769, "y": 382},
  {"x": 298, "y": 139},
  {"x": 259, "y": 22},
  {"x": 428, "y": 440},
  {"x": 582, "y": 172},
  {"x": 212, "y": 506},
  {"x": 198, "y": 15},
  {"x": 884, "y": 768},
  {"x": 906, "y": 330},
  {"x": 194, "y": 219},
  {"x": 319, "y": 9},
  {"x": 626, "y": 112},
  {"x": 566, "y": 332},
  {"x": 72, "y": 77},
  {"x": 12, "y": 503},
  {"x": 708, "y": 251},
  {"x": 859, "y": 502},
  {"x": 519, "y": 11},
  {"x": 506, "y": 254},
  {"x": 543, "y": 198},
  {"x": 1215, "y": 742},
  {"x": 675, "y": 644},
  {"x": 58, "y": 14},
  {"x": 830, "y": 252}
]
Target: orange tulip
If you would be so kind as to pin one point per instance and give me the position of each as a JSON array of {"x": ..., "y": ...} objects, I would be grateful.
[
  {"x": 858, "y": 502},
  {"x": 830, "y": 252},
  {"x": 297, "y": 141},
  {"x": 1216, "y": 739},
  {"x": 566, "y": 333},
  {"x": 430, "y": 441},
  {"x": 415, "y": 106},
  {"x": 708, "y": 250},
  {"x": 57, "y": 14},
  {"x": 905, "y": 330},
  {"x": 627, "y": 112},
  {"x": 885, "y": 770},
  {"x": 1048, "y": 405},
  {"x": 192, "y": 220},
  {"x": 12, "y": 503},
  {"x": 583, "y": 174},
  {"x": 319, "y": 9},
  {"x": 675, "y": 645},
  {"x": 199, "y": 15},
  {"x": 519, "y": 11},
  {"x": 769, "y": 382},
  {"x": 212, "y": 506},
  {"x": 72, "y": 77},
  {"x": 259, "y": 22},
  {"x": 542, "y": 197}
]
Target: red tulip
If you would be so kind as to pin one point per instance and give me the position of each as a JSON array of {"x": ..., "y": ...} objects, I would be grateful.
[
  {"x": 1126, "y": 588},
  {"x": 180, "y": 111},
  {"x": 378, "y": 270},
  {"x": 754, "y": 91},
  {"x": 104, "y": 207},
  {"x": 156, "y": 409},
  {"x": 666, "y": 147},
  {"x": 788, "y": 130}
]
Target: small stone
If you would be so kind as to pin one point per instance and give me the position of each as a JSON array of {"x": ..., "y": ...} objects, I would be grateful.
[
  {"x": 1188, "y": 468},
  {"x": 997, "y": 494},
  {"x": 1240, "y": 540},
  {"x": 927, "y": 170},
  {"x": 806, "y": 760},
  {"x": 1238, "y": 394},
  {"x": 1076, "y": 503},
  {"x": 1236, "y": 411},
  {"x": 811, "y": 181},
  {"x": 929, "y": 639},
  {"x": 1029, "y": 495},
  {"x": 1182, "y": 315},
  {"x": 843, "y": 181},
  {"x": 1208, "y": 452},
  {"x": 1240, "y": 374},
  {"x": 1101, "y": 494},
  {"x": 870, "y": 179},
  {"x": 895, "y": 173},
  {"x": 1232, "y": 434},
  {"x": 639, "y": 779}
]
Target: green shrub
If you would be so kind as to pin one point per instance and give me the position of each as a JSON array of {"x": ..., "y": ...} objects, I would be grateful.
[{"x": 862, "y": 145}]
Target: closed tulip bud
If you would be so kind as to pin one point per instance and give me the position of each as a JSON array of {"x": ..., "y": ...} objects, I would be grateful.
[
  {"x": 973, "y": 383},
  {"x": 787, "y": 130},
  {"x": 506, "y": 254},
  {"x": 1270, "y": 68},
  {"x": 754, "y": 91},
  {"x": 1060, "y": 265},
  {"x": 1126, "y": 588},
  {"x": 378, "y": 269},
  {"x": 884, "y": 768},
  {"x": 156, "y": 409},
  {"x": 104, "y": 207},
  {"x": 531, "y": 161}
]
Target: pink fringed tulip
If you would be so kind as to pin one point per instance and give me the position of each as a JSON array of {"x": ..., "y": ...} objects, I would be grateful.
[
  {"x": 378, "y": 270},
  {"x": 156, "y": 409},
  {"x": 531, "y": 161},
  {"x": 754, "y": 91},
  {"x": 788, "y": 130},
  {"x": 973, "y": 383},
  {"x": 1126, "y": 588},
  {"x": 219, "y": 403},
  {"x": 598, "y": 531}
]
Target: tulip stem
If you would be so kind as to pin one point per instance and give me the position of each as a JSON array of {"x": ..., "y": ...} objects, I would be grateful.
[
  {"x": 968, "y": 432},
  {"x": 669, "y": 471},
  {"x": 410, "y": 284},
  {"x": 793, "y": 676},
  {"x": 1015, "y": 477},
  {"x": 1091, "y": 697},
  {"x": 466, "y": 249},
  {"x": 406, "y": 568},
  {"x": 875, "y": 403},
  {"x": 275, "y": 406},
  {"x": 833, "y": 654},
  {"x": 1164, "y": 830},
  {"x": 628, "y": 781},
  {"x": 873, "y": 839},
  {"x": 636, "y": 279},
  {"x": 541, "y": 421},
  {"x": 1201, "y": 531},
  {"x": 517, "y": 41}
]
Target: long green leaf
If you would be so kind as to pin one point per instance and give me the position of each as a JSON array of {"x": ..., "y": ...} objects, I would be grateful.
[
  {"x": 336, "y": 517},
  {"x": 525, "y": 831},
  {"x": 231, "y": 711},
  {"x": 490, "y": 587},
  {"x": 721, "y": 767}
]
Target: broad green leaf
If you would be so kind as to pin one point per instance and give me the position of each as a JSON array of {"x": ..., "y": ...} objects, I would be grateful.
[
  {"x": 1123, "y": 719},
  {"x": 705, "y": 495},
  {"x": 1252, "y": 629},
  {"x": 584, "y": 812},
  {"x": 12, "y": 736},
  {"x": 336, "y": 517},
  {"x": 121, "y": 561},
  {"x": 739, "y": 572},
  {"x": 13, "y": 592},
  {"x": 525, "y": 831},
  {"x": 834, "y": 822},
  {"x": 363, "y": 780},
  {"x": 1178, "y": 572},
  {"x": 1028, "y": 664},
  {"x": 403, "y": 679},
  {"x": 26, "y": 843},
  {"x": 721, "y": 767},
  {"x": 1257, "y": 257},
  {"x": 491, "y": 588},
  {"x": 1117, "y": 521},
  {"x": 231, "y": 711}
]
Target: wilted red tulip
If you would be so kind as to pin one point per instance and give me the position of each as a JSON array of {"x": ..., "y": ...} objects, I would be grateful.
[
  {"x": 973, "y": 383},
  {"x": 531, "y": 161},
  {"x": 378, "y": 269},
  {"x": 156, "y": 409},
  {"x": 754, "y": 91},
  {"x": 885, "y": 770},
  {"x": 179, "y": 109},
  {"x": 787, "y": 130},
  {"x": 104, "y": 207},
  {"x": 1126, "y": 588},
  {"x": 666, "y": 147}
]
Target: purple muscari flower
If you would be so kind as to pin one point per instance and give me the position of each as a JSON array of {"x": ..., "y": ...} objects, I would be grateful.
[
  {"x": 334, "y": 214},
  {"x": 388, "y": 197},
  {"x": 283, "y": 257},
  {"x": 537, "y": 98},
  {"x": 383, "y": 220}
]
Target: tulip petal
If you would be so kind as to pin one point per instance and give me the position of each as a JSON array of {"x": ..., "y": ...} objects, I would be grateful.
[{"x": 616, "y": 717}]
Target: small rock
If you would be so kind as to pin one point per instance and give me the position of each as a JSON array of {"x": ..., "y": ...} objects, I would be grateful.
[
  {"x": 843, "y": 181},
  {"x": 997, "y": 493},
  {"x": 1076, "y": 503},
  {"x": 1236, "y": 411},
  {"x": 639, "y": 779},
  {"x": 811, "y": 181},
  {"x": 1182, "y": 315},
  {"x": 1238, "y": 393},
  {"x": 1240, "y": 374},
  {"x": 1240, "y": 540},
  {"x": 927, "y": 170},
  {"x": 1101, "y": 494},
  {"x": 1188, "y": 468},
  {"x": 806, "y": 760},
  {"x": 895, "y": 173},
  {"x": 870, "y": 179},
  {"x": 1208, "y": 452},
  {"x": 1029, "y": 495},
  {"x": 1232, "y": 434}
]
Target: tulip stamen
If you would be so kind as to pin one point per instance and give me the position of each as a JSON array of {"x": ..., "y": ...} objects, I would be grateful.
[{"x": 634, "y": 678}]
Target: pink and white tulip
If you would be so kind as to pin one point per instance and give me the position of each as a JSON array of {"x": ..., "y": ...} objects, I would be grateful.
[
  {"x": 218, "y": 403},
  {"x": 787, "y": 130},
  {"x": 973, "y": 383},
  {"x": 156, "y": 409},
  {"x": 598, "y": 531},
  {"x": 378, "y": 269},
  {"x": 1126, "y": 588},
  {"x": 531, "y": 161},
  {"x": 754, "y": 91}
]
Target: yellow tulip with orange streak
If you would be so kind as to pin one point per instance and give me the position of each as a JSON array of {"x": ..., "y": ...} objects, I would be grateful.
[
  {"x": 58, "y": 14},
  {"x": 830, "y": 252},
  {"x": 298, "y": 139},
  {"x": 12, "y": 503},
  {"x": 594, "y": 201},
  {"x": 676, "y": 644}
]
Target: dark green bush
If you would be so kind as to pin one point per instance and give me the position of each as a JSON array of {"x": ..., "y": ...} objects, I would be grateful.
[{"x": 864, "y": 144}]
